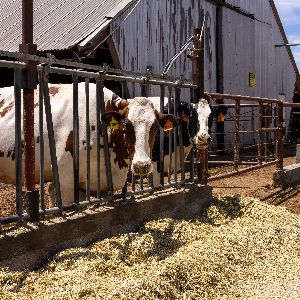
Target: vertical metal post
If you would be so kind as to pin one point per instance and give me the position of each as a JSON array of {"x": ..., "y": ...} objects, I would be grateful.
[
  {"x": 175, "y": 138},
  {"x": 280, "y": 135},
  {"x": 161, "y": 138},
  {"x": 18, "y": 141},
  {"x": 260, "y": 132},
  {"x": 29, "y": 84},
  {"x": 41, "y": 132},
  {"x": 51, "y": 142},
  {"x": 75, "y": 140},
  {"x": 88, "y": 138},
  {"x": 101, "y": 104},
  {"x": 181, "y": 148},
  {"x": 198, "y": 64},
  {"x": 237, "y": 135},
  {"x": 170, "y": 136},
  {"x": 192, "y": 152}
]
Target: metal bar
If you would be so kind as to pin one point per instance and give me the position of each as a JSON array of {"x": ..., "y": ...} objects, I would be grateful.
[
  {"x": 220, "y": 176},
  {"x": 280, "y": 135},
  {"x": 75, "y": 140},
  {"x": 237, "y": 136},
  {"x": 223, "y": 162},
  {"x": 98, "y": 130},
  {"x": 12, "y": 64},
  {"x": 88, "y": 139},
  {"x": 161, "y": 138},
  {"x": 175, "y": 138},
  {"x": 240, "y": 97},
  {"x": 120, "y": 78},
  {"x": 260, "y": 133},
  {"x": 192, "y": 152},
  {"x": 41, "y": 141},
  {"x": 54, "y": 61},
  {"x": 100, "y": 86},
  {"x": 198, "y": 64},
  {"x": 18, "y": 142},
  {"x": 181, "y": 148},
  {"x": 52, "y": 146},
  {"x": 170, "y": 136},
  {"x": 29, "y": 84}
]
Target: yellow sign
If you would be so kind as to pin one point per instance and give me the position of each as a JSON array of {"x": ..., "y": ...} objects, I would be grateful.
[
  {"x": 114, "y": 123},
  {"x": 251, "y": 79}
]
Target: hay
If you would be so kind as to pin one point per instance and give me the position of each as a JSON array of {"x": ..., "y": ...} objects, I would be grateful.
[{"x": 237, "y": 249}]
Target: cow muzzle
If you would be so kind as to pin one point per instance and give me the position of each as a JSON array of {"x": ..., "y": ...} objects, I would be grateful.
[
  {"x": 202, "y": 141},
  {"x": 142, "y": 168}
]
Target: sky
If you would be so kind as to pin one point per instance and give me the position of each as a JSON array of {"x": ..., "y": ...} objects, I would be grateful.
[{"x": 289, "y": 11}]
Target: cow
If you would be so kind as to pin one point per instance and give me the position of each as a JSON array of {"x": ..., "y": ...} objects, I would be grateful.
[
  {"x": 131, "y": 134},
  {"x": 194, "y": 119}
]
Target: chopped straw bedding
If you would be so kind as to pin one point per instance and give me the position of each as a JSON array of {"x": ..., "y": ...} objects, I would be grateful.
[{"x": 239, "y": 248}]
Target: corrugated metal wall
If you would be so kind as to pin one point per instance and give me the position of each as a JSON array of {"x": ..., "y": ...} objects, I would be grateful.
[{"x": 158, "y": 28}]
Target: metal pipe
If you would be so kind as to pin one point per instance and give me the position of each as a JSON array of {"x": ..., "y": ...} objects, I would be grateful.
[
  {"x": 237, "y": 136},
  {"x": 41, "y": 141},
  {"x": 88, "y": 139},
  {"x": 18, "y": 142},
  {"x": 229, "y": 174},
  {"x": 100, "y": 86},
  {"x": 260, "y": 134},
  {"x": 240, "y": 97},
  {"x": 170, "y": 136},
  {"x": 52, "y": 146},
  {"x": 280, "y": 134},
  {"x": 29, "y": 84},
  {"x": 161, "y": 138},
  {"x": 75, "y": 140}
]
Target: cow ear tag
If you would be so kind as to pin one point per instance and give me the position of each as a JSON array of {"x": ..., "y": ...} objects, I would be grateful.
[
  {"x": 114, "y": 124},
  {"x": 168, "y": 125},
  {"x": 185, "y": 117}
]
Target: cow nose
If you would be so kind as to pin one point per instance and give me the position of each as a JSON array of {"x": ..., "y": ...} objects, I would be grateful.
[
  {"x": 142, "y": 168},
  {"x": 203, "y": 140}
]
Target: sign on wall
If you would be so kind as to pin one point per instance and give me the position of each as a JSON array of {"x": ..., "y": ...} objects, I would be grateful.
[{"x": 251, "y": 79}]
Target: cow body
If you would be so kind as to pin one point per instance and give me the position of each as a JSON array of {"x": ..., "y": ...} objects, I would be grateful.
[
  {"x": 62, "y": 116},
  {"x": 131, "y": 134}
]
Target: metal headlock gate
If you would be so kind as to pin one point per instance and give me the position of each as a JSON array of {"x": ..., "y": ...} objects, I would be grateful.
[
  {"x": 170, "y": 88},
  {"x": 270, "y": 121}
]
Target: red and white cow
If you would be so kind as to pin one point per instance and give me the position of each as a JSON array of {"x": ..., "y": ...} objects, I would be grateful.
[{"x": 131, "y": 140}]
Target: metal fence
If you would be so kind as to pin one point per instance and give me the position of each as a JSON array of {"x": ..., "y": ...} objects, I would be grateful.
[
  {"x": 170, "y": 88},
  {"x": 255, "y": 144}
]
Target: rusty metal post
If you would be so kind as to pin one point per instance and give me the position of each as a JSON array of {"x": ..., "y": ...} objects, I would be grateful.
[
  {"x": 198, "y": 65},
  {"x": 260, "y": 132},
  {"x": 29, "y": 83},
  {"x": 280, "y": 134},
  {"x": 237, "y": 135}
]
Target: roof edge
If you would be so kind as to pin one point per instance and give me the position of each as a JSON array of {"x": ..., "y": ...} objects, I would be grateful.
[{"x": 282, "y": 31}]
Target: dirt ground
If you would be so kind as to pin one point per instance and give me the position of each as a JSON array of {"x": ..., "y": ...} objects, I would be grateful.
[{"x": 256, "y": 184}]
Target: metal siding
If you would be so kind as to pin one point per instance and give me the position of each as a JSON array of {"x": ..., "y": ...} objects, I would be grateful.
[
  {"x": 156, "y": 30},
  {"x": 58, "y": 25}
]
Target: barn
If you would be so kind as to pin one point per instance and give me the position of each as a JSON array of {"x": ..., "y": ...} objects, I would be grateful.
[{"x": 240, "y": 38}]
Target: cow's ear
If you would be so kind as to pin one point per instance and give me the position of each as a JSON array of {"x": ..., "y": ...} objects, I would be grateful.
[
  {"x": 113, "y": 119},
  {"x": 167, "y": 122},
  {"x": 184, "y": 111}
]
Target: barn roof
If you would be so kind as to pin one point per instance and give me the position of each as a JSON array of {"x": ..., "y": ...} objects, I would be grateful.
[{"x": 58, "y": 25}]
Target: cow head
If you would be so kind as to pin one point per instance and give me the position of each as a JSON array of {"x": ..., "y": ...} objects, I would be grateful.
[
  {"x": 139, "y": 121},
  {"x": 196, "y": 117}
]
